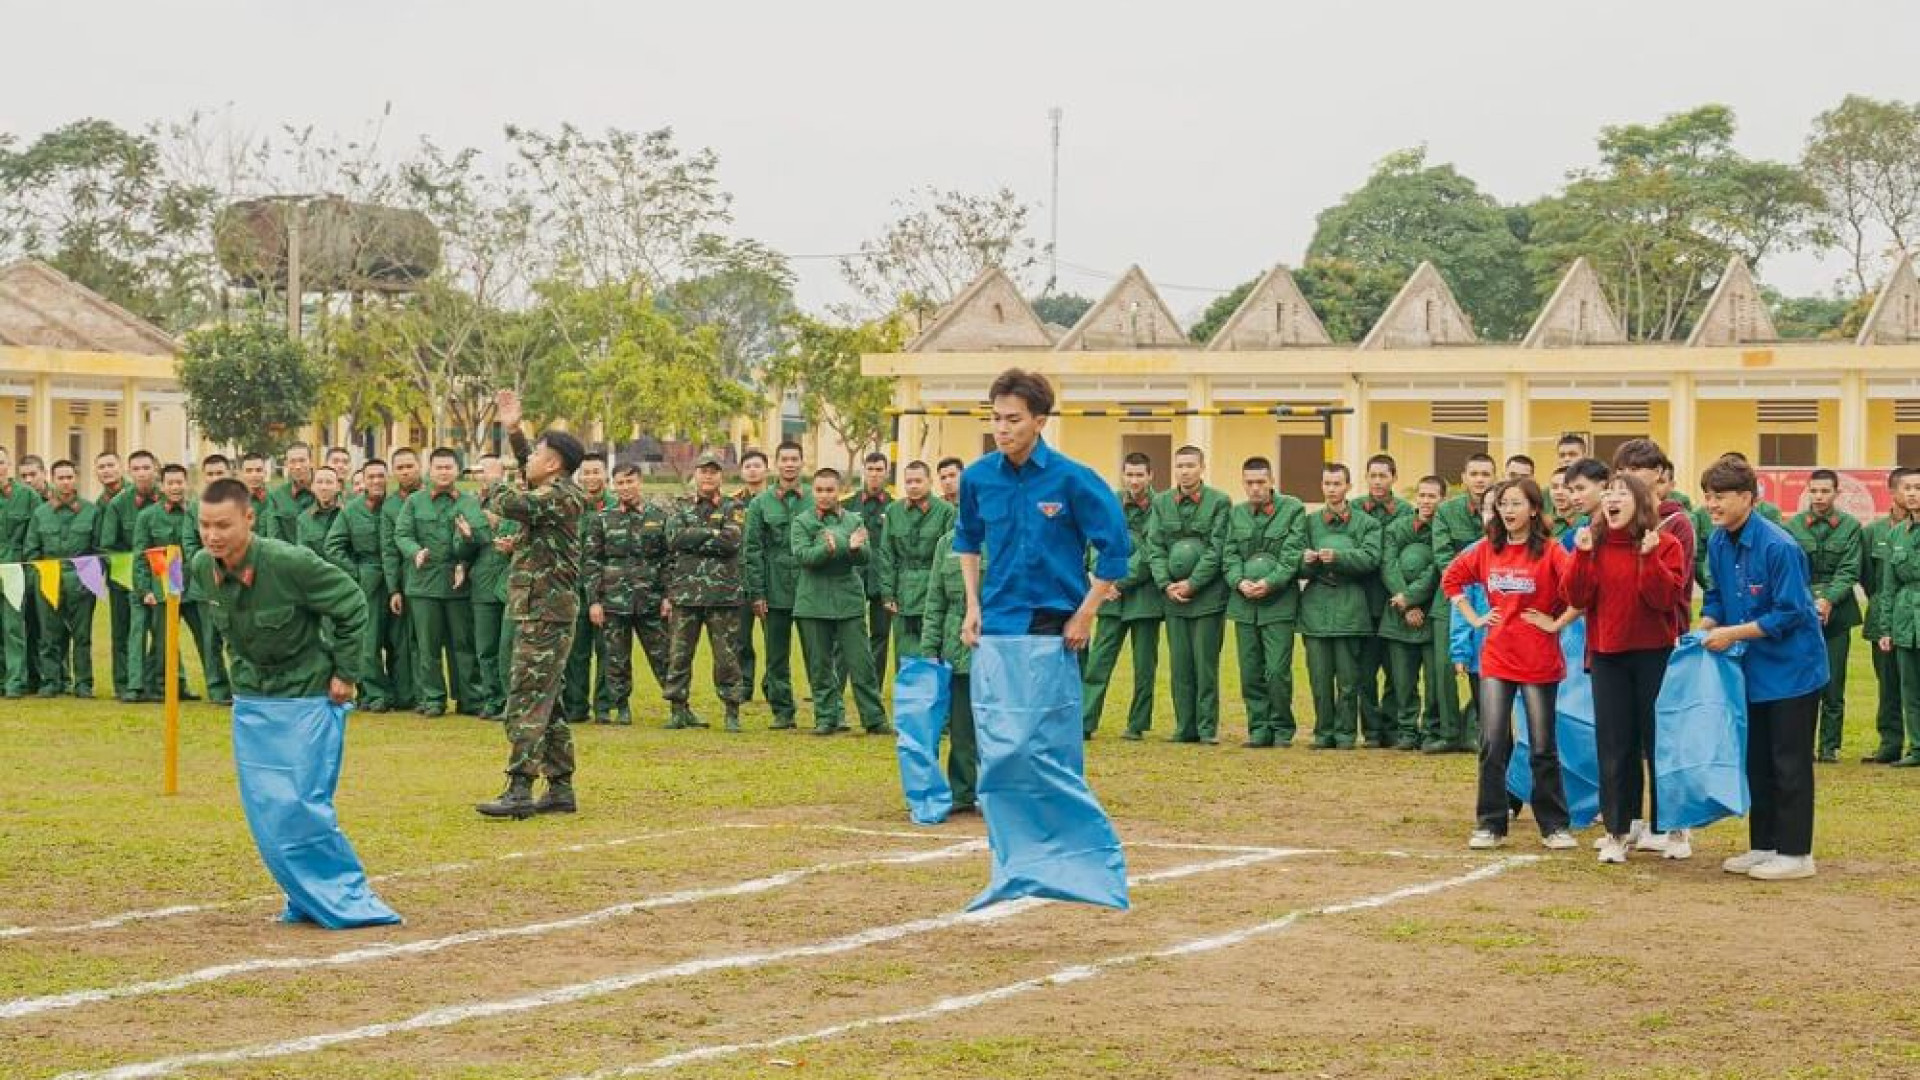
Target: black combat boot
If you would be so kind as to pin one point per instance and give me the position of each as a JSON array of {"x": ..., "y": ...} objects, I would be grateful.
[
  {"x": 516, "y": 802},
  {"x": 557, "y": 800}
]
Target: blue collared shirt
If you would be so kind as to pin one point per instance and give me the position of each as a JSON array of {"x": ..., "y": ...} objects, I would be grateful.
[
  {"x": 1763, "y": 577},
  {"x": 1038, "y": 519}
]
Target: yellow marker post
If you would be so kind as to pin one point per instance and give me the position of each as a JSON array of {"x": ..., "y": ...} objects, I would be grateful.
[{"x": 170, "y": 783}]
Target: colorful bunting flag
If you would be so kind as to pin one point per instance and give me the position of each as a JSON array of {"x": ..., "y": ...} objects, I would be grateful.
[
  {"x": 13, "y": 584},
  {"x": 48, "y": 570},
  {"x": 120, "y": 569},
  {"x": 176, "y": 570},
  {"x": 88, "y": 569}
]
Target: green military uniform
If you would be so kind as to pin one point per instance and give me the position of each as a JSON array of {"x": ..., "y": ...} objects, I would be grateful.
[
  {"x": 743, "y": 648},
  {"x": 17, "y": 504},
  {"x": 487, "y": 600},
  {"x": 117, "y": 518},
  {"x": 907, "y": 537},
  {"x": 1833, "y": 545},
  {"x": 586, "y": 687},
  {"x": 1264, "y": 544},
  {"x": 1408, "y": 571},
  {"x": 160, "y": 525},
  {"x": 286, "y": 503},
  {"x": 401, "y": 670},
  {"x": 625, "y": 569},
  {"x": 770, "y": 576},
  {"x": 441, "y": 616},
  {"x": 703, "y": 583},
  {"x": 1336, "y": 616},
  {"x": 355, "y": 543},
  {"x": 945, "y": 610},
  {"x": 1901, "y": 580},
  {"x": 206, "y": 636},
  {"x": 1198, "y": 526},
  {"x": 62, "y": 530},
  {"x": 313, "y": 525},
  {"x": 265, "y": 521},
  {"x": 1456, "y": 523},
  {"x": 1137, "y": 614},
  {"x": 1875, "y": 540},
  {"x": 829, "y": 602},
  {"x": 1380, "y": 708},
  {"x": 872, "y": 509},
  {"x": 292, "y": 620}
]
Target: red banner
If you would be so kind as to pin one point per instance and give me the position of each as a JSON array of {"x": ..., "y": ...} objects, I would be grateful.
[{"x": 1863, "y": 492}]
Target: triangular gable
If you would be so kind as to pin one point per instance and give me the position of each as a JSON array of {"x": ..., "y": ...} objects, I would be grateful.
[
  {"x": 1895, "y": 317},
  {"x": 988, "y": 314},
  {"x": 1576, "y": 314},
  {"x": 1423, "y": 314},
  {"x": 1130, "y": 316},
  {"x": 1275, "y": 315},
  {"x": 1735, "y": 314},
  {"x": 44, "y": 307}
]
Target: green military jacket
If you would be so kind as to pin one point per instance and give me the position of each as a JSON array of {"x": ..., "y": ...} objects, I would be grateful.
[
  {"x": 119, "y": 515},
  {"x": 704, "y": 535},
  {"x": 1386, "y": 512},
  {"x": 1277, "y": 530},
  {"x": 490, "y": 567},
  {"x": 1334, "y": 602},
  {"x": 906, "y": 540},
  {"x": 1139, "y": 598},
  {"x": 1407, "y": 569},
  {"x": 1175, "y": 518},
  {"x": 1832, "y": 545},
  {"x": 189, "y": 547},
  {"x": 394, "y": 568},
  {"x": 872, "y": 509},
  {"x": 768, "y": 565},
  {"x": 313, "y": 526},
  {"x": 543, "y": 583},
  {"x": 265, "y": 521},
  {"x": 1456, "y": 523},
  {"x": 358, "y": 540},
  {"x": 830, "y": 585},
  {"x": 1902, "y": 581},
  {"x": 63, "y": 530},
  {"x": 626, "y": 558},
  {"x": 286, "y": 503},
  {"x": 946, "y": 609},
  {"x": 158, "y": 526},
  {"x": 17, "y": 504},
  {"x": 426, "y": 524},
  {"x": 1875, "y": 540},
  {"x": 271, "y": 609}
]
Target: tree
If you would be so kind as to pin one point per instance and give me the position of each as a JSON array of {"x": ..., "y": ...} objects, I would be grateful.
[
  {"x": 1864, "y": 156},
  {"x": 1348, "y": 297},
  {"x": 745, "y": 306},
  {"x": 821, "y": 363},
  {"x": 1222, "y": 309},
  {"x": 1806, "y": 316},
  {"x": 1409, "y": 212},
  {"x": 941, "y": 241},
  {"x": 1060, "y": 309},
  {"x": 248, "y": 384}
]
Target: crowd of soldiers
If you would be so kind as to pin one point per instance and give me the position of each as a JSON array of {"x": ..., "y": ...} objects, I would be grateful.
[{"x": 859, "y": 574}]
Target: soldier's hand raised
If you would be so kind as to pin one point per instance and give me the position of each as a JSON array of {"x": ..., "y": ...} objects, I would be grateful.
[{"x": 506, "y": 405}]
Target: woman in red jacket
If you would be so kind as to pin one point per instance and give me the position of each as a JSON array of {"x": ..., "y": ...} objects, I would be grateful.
[
  {"x": 1521, "y": 570},
  {"x": 1629, "y": 576}
]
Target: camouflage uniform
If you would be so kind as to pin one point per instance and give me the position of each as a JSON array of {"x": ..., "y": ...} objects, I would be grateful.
[
  {"x": 704, "y": 585},
  {"x": 356, "y": 543},
  {"x": 625, "y": 571},
  {"x": 543, "y": 601}
]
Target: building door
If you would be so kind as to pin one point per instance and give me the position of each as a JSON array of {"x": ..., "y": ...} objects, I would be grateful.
[
  {"x": 1297, "y": 462},
  {"x": 1157, "y": 445}
]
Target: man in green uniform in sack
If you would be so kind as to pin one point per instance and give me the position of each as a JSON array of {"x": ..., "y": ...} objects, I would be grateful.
[
  {"x": 1407, "y": 569},
  {"x": 625, "y": 568},
  {"x": 1875, "y": 541},
  {"x": 294, "y": 496},
  {"x": 1134, "y": 609},
  {"x": 704, "y": 590},
  {"x": 870, "y": 503},
  {"x": 753, "y": 481},
  {"x": 487, "y": 594},
  {"x": 1266, "y": 539},
  {"x": 1831, "y": 538},
  {"x": 314, "y": 524},
  {"x": 940, "y": 621},
  {"x": 159, "y": 526},
  {"x": 1456, "y": 524},
  {"x": 17, "y": 504},
  {"x": 771, "y": 574},
  {"x": 1380, "y": 708},
  {"x": 407, "y": 481},
  {"x": 61, "y": 528},
  {"x": 355, "y": 542},
  {"x": 1186, "y": 539},
  {"x": 911, "y": 528},
  {"x": 586, "y": 690},
  {"x": 832, "y": 545},
  {"x": 543, "y": 601},
  {"x": 139, "y": 490},
  {"x": 1343, "y": 552},
  {"x": 436, "y": 555}
]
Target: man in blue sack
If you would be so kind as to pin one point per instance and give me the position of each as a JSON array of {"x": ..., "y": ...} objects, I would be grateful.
[{"x": 1038, "y": 512}]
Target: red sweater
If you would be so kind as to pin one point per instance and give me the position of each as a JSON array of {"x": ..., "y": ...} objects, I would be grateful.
[
  {"x": 1631, "y": 600},
  {"x": 1515, "y": 580},
  {"x": 1676, "y": 522}
]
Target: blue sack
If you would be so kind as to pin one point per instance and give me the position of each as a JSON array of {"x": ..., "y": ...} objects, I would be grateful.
[
  {"x": 1464, "y": 640},
  {"x": 1700, "y": 737},
  {"x": 287, "y": 752},
  {"x": 1573, "y": 735},
  {"x": 922, "y": 693},
  {"x": 1049, "y": 836}
]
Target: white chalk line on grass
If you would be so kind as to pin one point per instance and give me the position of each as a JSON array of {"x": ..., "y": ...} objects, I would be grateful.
[
  {"x": 448, "y": 1016},
  {"x": 31, "y": 1006},
  {"x": 1064, "y": 976}
]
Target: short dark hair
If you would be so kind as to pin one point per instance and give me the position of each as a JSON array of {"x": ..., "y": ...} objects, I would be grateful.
[
  {"x": 317, "y": 469},
  {"x": 1190, "y": 450},
  {"x": 227, "y": 490},
  {"x": 103, "y": 455},
  {"x": 33, "y": 459},
  {"x": 1336, "y": 467},
  {"x": 1030, "y": 387},
  {"x": 789, "y": 444},
  {"x": 215, "y": 459},
  {"x": 444, "y": 452},
  {"x": 486, "y": 457},
  {"x": 138, "y": 454},
  {"x": 827, "y": 471},
  {"x": 953, "y": 461},
  {"x": 1828, "y": 475},
  {"x": 1477, "y": 458},
  {"x": 1137, "y": 458},
  {"x": 171, "y": 468},
  {"x": 1256, "y": 464},
  {"x": 876, "y": 456},
  {"x": 407, "y": 451},
  {"x": 1589, "y": 469},
  {"x": 626, "y": 468},
  {"x": 1521, "y": 459},
  {"x": 291, "y": 447},
  {"x": 1640, "y": 454},
  {"x": 916, "y": 464},
  {"x": 744, "y": 458},
  {"x": 1572, "y": 439},
  {"x": 1729, "y": 475},
  {"x": 1893, "y": 475},
  {"x": 1435, "y": 481},
  {"x": 370, "y": 463},
  {"x": 332, "y": 450},
  {"x": 1560, "y": 472},
  {"x": 1384, "y": 459},
  {"x": 58, "y": 465},
  {"x": 253, "y": 455},
  {"x": 595, "y": 459},
  {"x": 568, "y": 447}
]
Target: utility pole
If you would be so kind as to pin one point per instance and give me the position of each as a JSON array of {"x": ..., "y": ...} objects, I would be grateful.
[{"x": 1053, "y": 205}]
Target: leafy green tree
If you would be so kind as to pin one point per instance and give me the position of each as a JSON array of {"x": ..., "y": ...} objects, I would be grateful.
[
  {"x": 745, "y": 306},
  {"x": 1347, "y": 296},
  {"x": 249, "y": 384},
  {"x": 941, "y": 241},
  {"x": 1222, "y": 309},
  {"x": 1806, "y": 316},
  {"x": 821, "y": 364},
  {"x": 1864, "y": 156},
  {"x": 1060, "y": 309}
]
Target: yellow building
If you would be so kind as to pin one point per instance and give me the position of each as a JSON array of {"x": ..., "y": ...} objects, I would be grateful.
[
  {"x": 80, "y": 375},
  {"x": 1419, "y": 386}
]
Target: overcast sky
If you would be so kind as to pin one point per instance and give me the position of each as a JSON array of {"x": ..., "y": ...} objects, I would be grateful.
[{"x": 1200, "y": 138}]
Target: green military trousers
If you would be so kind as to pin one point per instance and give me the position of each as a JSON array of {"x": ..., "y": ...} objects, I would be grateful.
[
  {"x": 743, "y": 650},
  {"x": 443, "y": 649},
  {"x": 1266, "y": 681},
  {"x": 1889, "y": 717},
  {"x": 1333, "y": 670},
  {"x": 489, "y": 663},
  {"x": 403, "y": 691},
  {"x": 1110, "y": 633},
  {"x": 906, "y": 637},
  {"x": 14, "y": 661},
  {"x": 147, "y": 650},
  {"x": 1448, "y": 726},
  {"x": 776, "y": 684},
  {"x": 120, "y": 631},
  {"x": 1833, "y": 700},
  {"x": 963, "y": 751},
  {"x": 1406, "y": 661},
  {"x": 1195, "y": 643},
  {"x": 1380, "y": 706},
  {"x": 66, "y": 642},
  {"x": 586, "y": 672},
  {"x": 839, "y": 651},
  {"x": 879, "y": 632}
]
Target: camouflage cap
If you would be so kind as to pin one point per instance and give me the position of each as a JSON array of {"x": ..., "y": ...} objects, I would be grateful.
[{"x": 708, "y": 458}]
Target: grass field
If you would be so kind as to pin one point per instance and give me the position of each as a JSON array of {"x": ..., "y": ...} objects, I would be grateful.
[{"x": 759, "y": 905}]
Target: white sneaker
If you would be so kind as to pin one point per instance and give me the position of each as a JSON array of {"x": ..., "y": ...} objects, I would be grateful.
[
  {"x": 1651, "y": 841},
  {"x": 1634, "y": 832},
  {"x": 1742, "y": 864},
  {"x": 1783, "y": 868},
  {"x": 1484, "y": 839},
  {"x": 1561, "y": 840},
  {"x": 1679, "y": 845},
  {"x": 1613, "y": 849}
]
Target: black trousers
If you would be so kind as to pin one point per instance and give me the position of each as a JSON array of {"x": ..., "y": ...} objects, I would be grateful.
[
  {"x": 1496, "y": 750},
  {"x": 1625, "y": 687},
  {"x": 1780, "y": 773}
]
